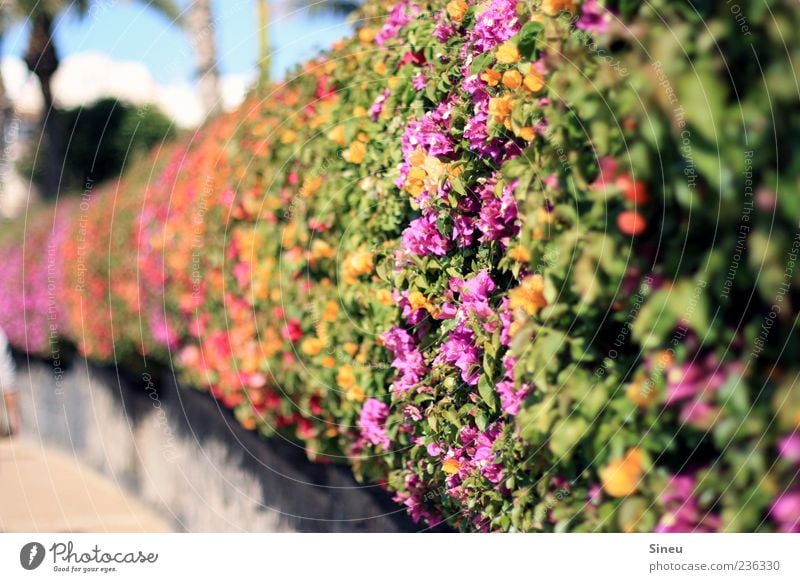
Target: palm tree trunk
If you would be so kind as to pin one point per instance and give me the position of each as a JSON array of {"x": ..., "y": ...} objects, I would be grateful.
[
  {"x": 201, "y": 28},
  {"x": 42, "y": 60},
  {"x": 264, "y": 60}
]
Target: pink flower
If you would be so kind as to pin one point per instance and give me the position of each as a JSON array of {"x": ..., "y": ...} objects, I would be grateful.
[
  {"x": 422, "y": 237},
  {"x": 789, "y": 447},
  {"x": 785, "y": 510},
  {"x": 594, "y": 18},
  {"x": 373, "y": 422}
]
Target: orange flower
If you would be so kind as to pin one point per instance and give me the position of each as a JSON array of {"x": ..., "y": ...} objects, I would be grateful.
[
  {"x": 500, "y": 108},
  {"x": 534, "y": 80},
  {"x": 519, "y": 254},
  {"x": 357, "y": 264},
  {"x": 527, "y": 133},
  {"x": 345, "y": 377},
  {"x": 355, "y": 153},
  {"x": 336, "y": 135},
  {"x": 380, "y": 68},
  {"x": 288, "y": 137},
  {"x": 512, "y": 79},
  {"x": 384, "y": 296},
  {"x": 553, "y": 7},
  {"x": 350, "y": 348},
  {"x": 529, "y": 296},
  {"x": 507, "y": 53},
  {"x": 631, "y": 223},
  {"x": 450, "y": 466},
  {"x": 312, "y": 346},
  {"x": 621, "y": 477},
  {"x": 356, "y": 393},
  {"x": 642, "y": 393},
  {"x": 456, "y": 10},
  {"x": 491, "y": 77},
  {"x": 310, "y": 186},
  {"x": 331, "y": 311}
]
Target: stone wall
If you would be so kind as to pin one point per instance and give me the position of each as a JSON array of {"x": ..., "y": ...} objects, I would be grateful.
[{"x": 183, "y": 455}]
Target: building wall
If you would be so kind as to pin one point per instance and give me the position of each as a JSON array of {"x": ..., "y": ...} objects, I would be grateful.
[{"x": 185, "y": 456}]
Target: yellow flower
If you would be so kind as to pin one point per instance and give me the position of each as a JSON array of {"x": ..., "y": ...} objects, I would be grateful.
[
  {"x": 419, "y": 301},
  {"x": 288, "y": 137},
  {"x": 553, "y": 7},
  {"x": 331, "y": 311},
  {"x": 312, "y": 346},
  {"x": 507, "y": 53},
  {"x": 491, "y": 77},
  {"x": 544, "y": 217},
  {"x": 310, "y": 186},
  {"x": 355, "y": 153},
  {"x": 512, "y": 79},
  {"x": 456, "y": 10},
  {"x": 520, "y": 254},
  {"x": 380, "y": 68},
  {"x": 367, "y": 35},
  {"x": 450, "y": 466},
  {"x": 621, "y": 477},
  {"x": 500, "y": 108},
  {"x": 356, "y": 393},
  {"x": 534, "y": 81},
  {"x": 359, "y": 111},
  {"x": 345, "y": 377},
  {"x": 357, "y": 264},
  {"x": 415, "y": 182},
  {"x": 384, "y": 296},
  {"x": 336, "y": 135},
  {"x": 321, "y": 250},
  {"x": 527, "y": 133},
  {"x": 642, "y": 393},
  {"x": 417, "y": 157},
  {"x": 529, "y": 296}
]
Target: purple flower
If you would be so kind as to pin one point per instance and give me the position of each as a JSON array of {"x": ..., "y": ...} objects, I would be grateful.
[
  {"x": 511, "y": 397},
  {"x": 459, "y": 350},
  {"x": 594, "y": 18},
  {"x": 495, "y": 25},
  {"x": 377, "y": 107},
  {"x": 498, "y": 216},
  {"x": 789, "y": 447},
  {"x": 408, "y": 360},
  {"x": 682, "y": 510},
  {"x": 785, "y": 510},
  {"x": 373, "y": 422},
  {"x": 422, "y": 237},
  {"x": 475, "y": 295},
  {"x": 418, "y": 81},
  {"x": 400, "y": 16}
]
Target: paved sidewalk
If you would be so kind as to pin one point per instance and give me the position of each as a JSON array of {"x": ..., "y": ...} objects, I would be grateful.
[{"x": 48, "y": 491}]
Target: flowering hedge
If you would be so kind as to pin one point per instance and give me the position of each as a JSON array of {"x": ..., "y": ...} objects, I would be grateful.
[{"x": 528, "y": 265}]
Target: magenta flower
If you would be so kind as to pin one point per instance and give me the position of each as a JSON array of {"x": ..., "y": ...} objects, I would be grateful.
[
  {"x": 683, "y": 513},
  {"x": 373, "y": 422},
  {"x": 785, "y": 510},
  {"x": 459, "y": 350},
  {"x": 789, "y": 448},
  {"x": 422, "y": 237},
  {"x": 495, "y": 25},
  {"x": 401, "y": 14},
  {"x": 594, "y": 18},
  {"x": 408, "y": 360},
  {"x": 498, "y": 216}
]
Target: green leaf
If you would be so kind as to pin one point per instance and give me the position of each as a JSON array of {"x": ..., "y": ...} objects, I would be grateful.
[
  {"x": 528, "y": 37},
  {"x": 487, "y": 392}
]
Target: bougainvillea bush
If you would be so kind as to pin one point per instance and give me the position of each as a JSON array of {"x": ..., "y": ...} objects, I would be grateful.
[{"x": 530, "y": 266}]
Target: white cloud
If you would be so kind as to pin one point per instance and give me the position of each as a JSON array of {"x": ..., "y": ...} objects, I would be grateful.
[{"x": 85, "y": 77}]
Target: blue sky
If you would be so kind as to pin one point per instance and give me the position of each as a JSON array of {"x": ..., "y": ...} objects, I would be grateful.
[{"x": 129, "y": 31}]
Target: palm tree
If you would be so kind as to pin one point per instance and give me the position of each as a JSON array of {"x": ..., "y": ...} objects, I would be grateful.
[
  {"x": 338, "y": 7},
  {"x": 200, "y": 25},
  {"x": 42, "y": 60}
]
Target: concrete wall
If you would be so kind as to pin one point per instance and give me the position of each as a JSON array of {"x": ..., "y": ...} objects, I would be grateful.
[{"x": 182, "y": 454}]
